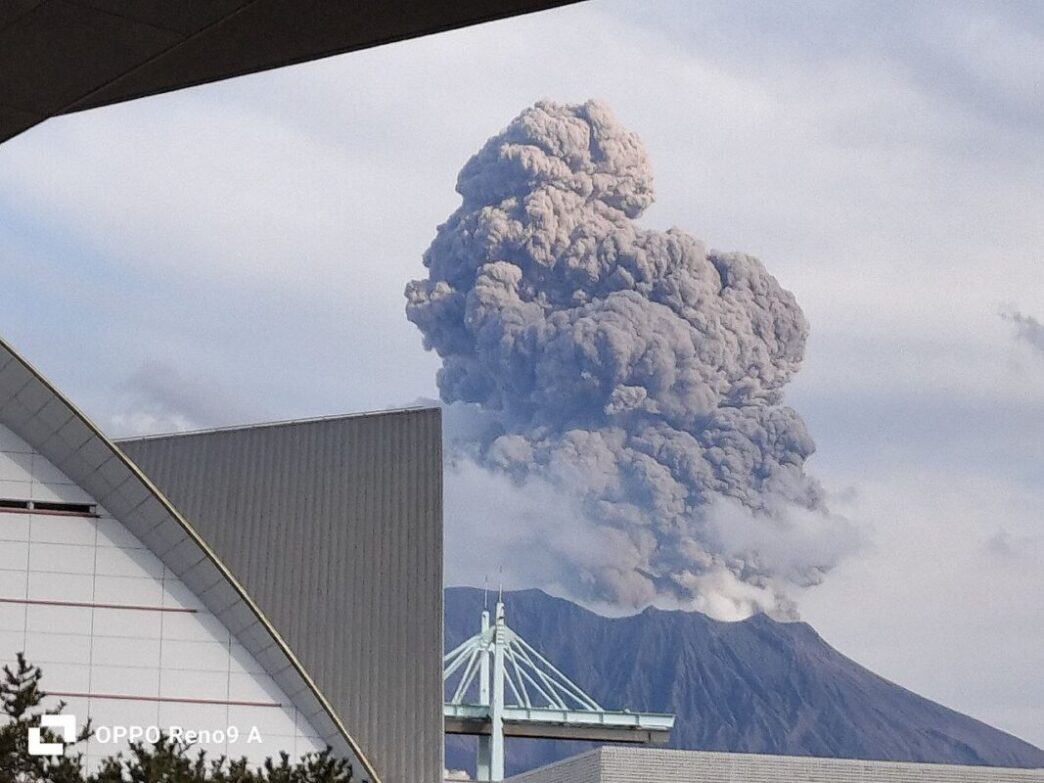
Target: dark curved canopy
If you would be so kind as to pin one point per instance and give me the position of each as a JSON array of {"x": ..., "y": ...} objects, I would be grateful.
[{"x": 62, "y": 56}]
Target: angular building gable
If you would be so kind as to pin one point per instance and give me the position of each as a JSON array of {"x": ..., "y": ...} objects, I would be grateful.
[{"x": 334, "y": 527}]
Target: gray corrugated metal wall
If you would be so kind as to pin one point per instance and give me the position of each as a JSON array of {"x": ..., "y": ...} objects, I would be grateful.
[
  {"x": 334, "y": 527},
  {"x": 645, "y": 765}
]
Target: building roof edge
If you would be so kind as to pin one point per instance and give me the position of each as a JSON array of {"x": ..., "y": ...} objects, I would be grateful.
[{"x": 47, "y": 420}]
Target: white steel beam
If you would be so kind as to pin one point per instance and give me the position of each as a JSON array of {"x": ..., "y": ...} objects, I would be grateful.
[{"x": 497, "y": 657}]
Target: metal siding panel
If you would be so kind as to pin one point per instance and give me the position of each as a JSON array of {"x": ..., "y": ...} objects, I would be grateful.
[{"x": 334, "y": 527}]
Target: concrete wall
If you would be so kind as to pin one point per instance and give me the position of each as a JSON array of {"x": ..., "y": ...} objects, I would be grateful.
[
  {"x": 643, "y": 765},
  {"x": 334, "y": 527}
]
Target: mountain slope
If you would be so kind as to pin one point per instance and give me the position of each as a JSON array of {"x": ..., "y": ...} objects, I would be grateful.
[{"x": 756, "y": 686}]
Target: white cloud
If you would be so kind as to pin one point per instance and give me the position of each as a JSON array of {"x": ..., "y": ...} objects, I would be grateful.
[
  {"x": 158, "y": 398},
  {"x": 946, "y": 600}
]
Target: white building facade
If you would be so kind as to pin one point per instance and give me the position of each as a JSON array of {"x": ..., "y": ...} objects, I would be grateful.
[{"x": 118, "y": 636}]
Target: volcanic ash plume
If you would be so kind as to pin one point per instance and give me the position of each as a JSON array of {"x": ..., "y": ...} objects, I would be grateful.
[{"x": 632, "y": 371}]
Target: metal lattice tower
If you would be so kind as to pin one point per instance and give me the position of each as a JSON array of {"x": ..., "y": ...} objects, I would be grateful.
[{"x": 517, "y": 692}]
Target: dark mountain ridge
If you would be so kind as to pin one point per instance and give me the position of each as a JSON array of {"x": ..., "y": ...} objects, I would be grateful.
[{"x": 756, "y": 686}]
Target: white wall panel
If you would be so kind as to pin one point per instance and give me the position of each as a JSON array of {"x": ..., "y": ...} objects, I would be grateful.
[{"x": 56, "y": 571}]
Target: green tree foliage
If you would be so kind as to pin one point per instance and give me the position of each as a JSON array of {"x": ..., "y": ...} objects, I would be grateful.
[
  {"x": 164, "y": 761},
  {"x": 20, "y": 698}
]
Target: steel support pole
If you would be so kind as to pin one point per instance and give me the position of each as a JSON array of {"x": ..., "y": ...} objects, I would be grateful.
[
  {"x": 484, "y": 760},
  {"x": 496, "y": 766}
]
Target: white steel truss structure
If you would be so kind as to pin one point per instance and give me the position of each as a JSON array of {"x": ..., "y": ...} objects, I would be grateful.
[{"x": 515, "y": 691}]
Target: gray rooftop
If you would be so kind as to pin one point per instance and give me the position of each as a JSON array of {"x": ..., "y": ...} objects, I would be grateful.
[{"x": 646, "y": 765}]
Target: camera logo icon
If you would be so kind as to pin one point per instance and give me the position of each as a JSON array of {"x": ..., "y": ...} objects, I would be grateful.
[{"x": 66, "y": 724}]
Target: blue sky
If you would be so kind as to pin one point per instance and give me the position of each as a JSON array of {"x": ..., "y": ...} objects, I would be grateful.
[{"x": 238, "y": 252}]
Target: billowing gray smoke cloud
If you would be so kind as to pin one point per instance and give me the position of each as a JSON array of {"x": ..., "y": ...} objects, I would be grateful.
[
  {"x": 1027, "y": 328},
  {"x": 632, "y": 370}
]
